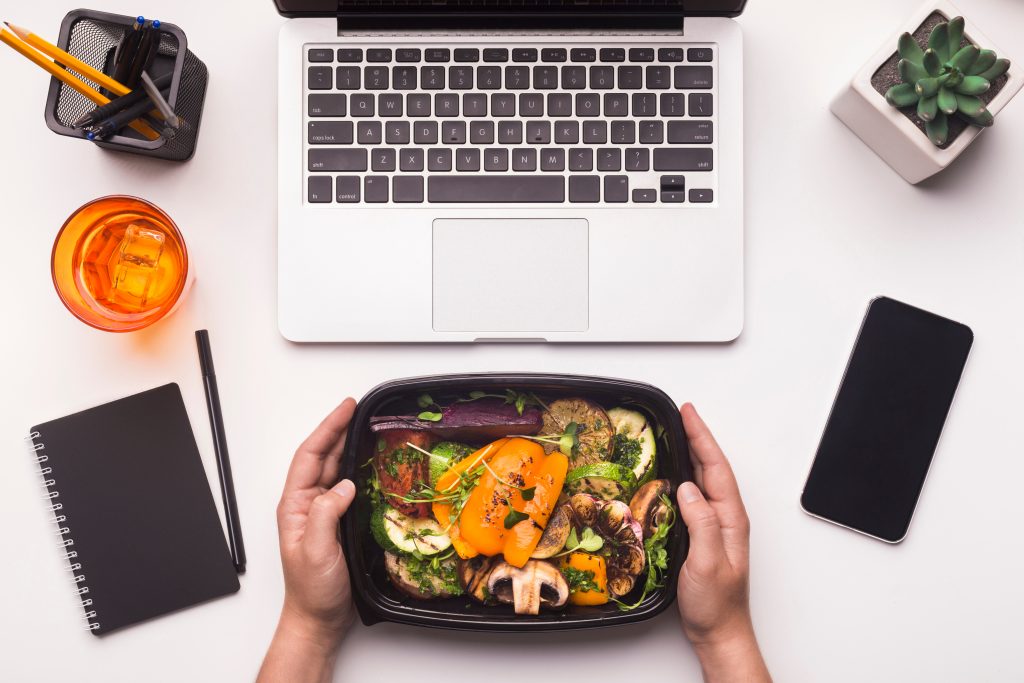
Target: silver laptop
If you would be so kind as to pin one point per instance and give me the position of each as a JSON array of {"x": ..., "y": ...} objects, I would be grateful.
[{"x": 510, "y": 170}]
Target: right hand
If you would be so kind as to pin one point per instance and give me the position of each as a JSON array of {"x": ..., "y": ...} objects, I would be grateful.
[{"x": 714, "y": 581}]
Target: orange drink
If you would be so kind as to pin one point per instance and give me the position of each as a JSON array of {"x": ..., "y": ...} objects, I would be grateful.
[{"x": 120, "y": 264}]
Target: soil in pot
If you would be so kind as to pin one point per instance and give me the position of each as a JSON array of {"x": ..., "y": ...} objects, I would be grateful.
[{"x": 888, "y": 75}]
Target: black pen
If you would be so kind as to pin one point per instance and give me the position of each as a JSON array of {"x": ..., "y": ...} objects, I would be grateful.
[
  {"x": 220, "y": 447},
  {"x": 119, "y": 104}
]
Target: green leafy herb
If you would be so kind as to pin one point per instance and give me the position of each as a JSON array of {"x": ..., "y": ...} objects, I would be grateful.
[
  {"x": 514, "y": 516},
  {"x": 580, "y": 580},
  {"x": 589, "y": 542},
  {"x": 528, "y": 494},
  {"x": 435, "y": 574},
  {"x": 474, "y": 395},
  {"x": 381, "y": 445},
  {"x": 425, "y": 401},
  {"x": 626, "y": 451},
  {"x": 569, "y": 442},
  {"x": 657, "y": 557},
  {"x": 430, "y": 416}
]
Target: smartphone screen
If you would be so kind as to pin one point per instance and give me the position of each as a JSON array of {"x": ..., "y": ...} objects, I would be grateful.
[{"x": 886, "y": 420}]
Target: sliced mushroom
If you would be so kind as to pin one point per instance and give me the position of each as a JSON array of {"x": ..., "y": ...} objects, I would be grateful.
[
  {"x": 593, "y": 428},
  {"x": 584, "y": 509},
  {"x": 536, "y": 584},
  {"x": 647, "y": 506},
  {"x": 422, "y": 588},
  {"x": 473, "y": 575},
  {"x": 555, "y": 533},
  {"x": 622, "y": 534}
]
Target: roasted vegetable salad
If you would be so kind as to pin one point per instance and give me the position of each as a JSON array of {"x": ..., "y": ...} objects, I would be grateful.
[{"x": 509, "y": 498}]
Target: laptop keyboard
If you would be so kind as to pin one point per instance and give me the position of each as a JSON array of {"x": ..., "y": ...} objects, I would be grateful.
[{"x": 510, "y": 125}]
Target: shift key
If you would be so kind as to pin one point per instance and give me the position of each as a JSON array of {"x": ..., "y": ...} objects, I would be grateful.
[
  {"x": 683, "y": 159},
  {"x": 337, "y": 160}
]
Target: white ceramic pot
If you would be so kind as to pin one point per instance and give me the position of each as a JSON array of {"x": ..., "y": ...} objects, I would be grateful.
[{"x": 887, "y": 131}]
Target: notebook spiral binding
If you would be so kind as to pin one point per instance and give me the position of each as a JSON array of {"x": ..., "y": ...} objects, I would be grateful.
[{"x": 62, "y": 529}]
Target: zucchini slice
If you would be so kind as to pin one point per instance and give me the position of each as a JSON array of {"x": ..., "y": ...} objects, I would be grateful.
[
  {"x": 606, "y": 480},
  {"x": 633, "y": 445},
  {"x": 396, "y": 532}
]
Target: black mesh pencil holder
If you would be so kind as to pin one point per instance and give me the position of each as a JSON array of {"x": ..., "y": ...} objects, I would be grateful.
[{"x": 93, "y": 37}]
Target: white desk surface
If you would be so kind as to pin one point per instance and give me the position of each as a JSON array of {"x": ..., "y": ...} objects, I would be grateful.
[{"x": 828, "y": 227}]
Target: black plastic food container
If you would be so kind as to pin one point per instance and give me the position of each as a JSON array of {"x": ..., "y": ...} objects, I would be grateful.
[{"x": 375, "y": 598}]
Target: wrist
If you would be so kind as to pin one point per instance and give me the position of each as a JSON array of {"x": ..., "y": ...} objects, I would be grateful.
[
  {"x": 731, "y": 654},
  {"x": 310, "y": 632}
]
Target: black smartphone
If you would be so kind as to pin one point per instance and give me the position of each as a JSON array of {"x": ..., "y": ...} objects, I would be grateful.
[{"x": 886, "y": 420}]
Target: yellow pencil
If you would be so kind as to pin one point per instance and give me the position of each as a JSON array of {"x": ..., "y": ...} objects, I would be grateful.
[
  {"x": 69, "y": 61},
  {"x": 68, "y": 78}
]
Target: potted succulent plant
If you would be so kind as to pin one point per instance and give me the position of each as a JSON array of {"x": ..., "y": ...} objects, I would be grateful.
[{"x": 926, "y": 95}]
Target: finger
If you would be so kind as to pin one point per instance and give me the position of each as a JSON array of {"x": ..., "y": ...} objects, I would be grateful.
[
  {"x": 324, "y": 513},
  {"x": 332, "y": 463},
  {"x": 308, "y": 464},
  {"x": 706, "y": 547}
]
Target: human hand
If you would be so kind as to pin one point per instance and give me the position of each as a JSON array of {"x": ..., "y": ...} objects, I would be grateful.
[
  {"x": 714, "y": 581},
  {"x": 318, "y": 597}
]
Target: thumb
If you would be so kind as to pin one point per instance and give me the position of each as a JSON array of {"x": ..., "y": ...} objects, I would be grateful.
[
  {"x": 706, "y": 545},
  {"x": 327, "y": 509}
]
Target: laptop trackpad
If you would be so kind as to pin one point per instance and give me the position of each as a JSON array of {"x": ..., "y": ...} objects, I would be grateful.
[{"x": 511, "y": 275}]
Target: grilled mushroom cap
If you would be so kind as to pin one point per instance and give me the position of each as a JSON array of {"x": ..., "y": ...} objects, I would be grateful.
[
  {"x": 622, "y": 534},
  {"x": 473, "y": 575},
  {"x": 594, "y": 429},
  {"x": 537, "y": 583},
  {"x": 647, "y": 506}
]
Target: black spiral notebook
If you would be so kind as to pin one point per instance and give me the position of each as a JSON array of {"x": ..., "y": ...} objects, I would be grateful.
[{"x": 137, "y": 519}]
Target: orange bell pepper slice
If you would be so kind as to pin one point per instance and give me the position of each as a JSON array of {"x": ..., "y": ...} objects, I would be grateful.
[
  {"x": 548, "y": 477},
  {"x": 585, "y": 562},
  {"x": 449, "y": 482}
]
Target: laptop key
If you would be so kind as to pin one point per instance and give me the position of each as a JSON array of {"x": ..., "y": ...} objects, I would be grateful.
[
  {"x": 517, "y": 77},
  {"x": 369, "y": 133},
  {"x": 531, "y": 104},
  {"x": 467, "y": 54},
  {"x": 467, "y": 159},
  {"x": 503, "y": 104},
  {"x": 437, "y": 54},
  {"x": 488, "y": 77},
  {"x": 641, "y": 54},
  {"x": 453, "y": 132},
  {"x": 588, "y": 104},
  {"x": 510, "y": 132},
  {"x": 348, "y": 77},
  {"x": 701, "y": 104},
  {"x": 375, "y": 188},
  {"x": 553, "y": 54},
  {"x": 581, "y": 159},
  {"x": 432, "y": 77},
  {"x": 584, "y": 188},
  {"x": 496, "y": 159},
  {"x": 538, "y": 132},
  {"x": 613, "y": 54},
  {"x": 609, "y": 159},
  {"x": 574, "y": 77},
  {"x": 623, "y": 132},
  {"x": 524, "y": 160},
  {"x": 699, "y": 196},
  {"x": 495, "y": 189},
  {"x": 631, "y": 77},
  {"x": 337, "y": 159},
  {"x": 673, "y": 182},
  {"x": 474, "y": 105},
  {"x": 670, "y": 54},
  {"x": 460, "y": 77},
  {"x": 382, "y": 159},
  {"x": 673, "y": 104},
  {"x": 690, "y": 132},
  {"x": 595, "y": 132},
  {"x": 481, "y": 132},
  {"x": 389, "y": 105},
  {"x": 319, "y": 78},
  {"x": 411, "y": 159},
  {"x": 699, "y": 54},
  {"x": 545, "y": 77},
  {"x": 347, "y": 189},
  {"x": 362, "y": 105},
  {"x": 378, "y": 55},
  {"x": 583, "y": 54},
  {"x": 693, "y": 77},
  {"x": 645, "y": 104},
  {"x": 397, "y": 133},
  {"x": 524, "y": 54},
  {"x": 350, "y": 55},
  {"x": 320, "y": 55},
  {"x": 616, "y": 189},
  {"x": 446, "y": 104},
  {"x": 408, "y": 189},
  {"x": 567, "y": 132},
  {"x": 552, "y": 159},
  {"x": 329, "y": 132},
  {"x": 602, "y": 78},
  {"x": 408, "y": 55},
  {"x": 319, "y": 189},
  {"x": 322, "y": 104},
  {"x": 559, "y": 104},
  {"x": 425, "y": 132},
  {"x": 659, "y": 78},
  {"x": 673, "y": 196},
  {"x": 652, "y": 132},
  {"x": 496, "y": 54},
  {"x": 417, "y": 105},
  {"x": 645, "y": 196},
  {"x": 638, "y": 159},
  {"x": 439, "y": 159},
  {"x": 404, "y": 77},
  {"x": 683, "y": 159}
]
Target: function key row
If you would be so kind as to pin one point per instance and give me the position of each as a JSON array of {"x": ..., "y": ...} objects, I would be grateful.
[
  {"x": 688, "y": 77},
  {"x": 523, "y": 54}
]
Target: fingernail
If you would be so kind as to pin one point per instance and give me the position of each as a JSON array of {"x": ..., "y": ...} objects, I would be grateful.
[
  {"x": 345, "y": 488},
  {"x": 691, "y": 494}
]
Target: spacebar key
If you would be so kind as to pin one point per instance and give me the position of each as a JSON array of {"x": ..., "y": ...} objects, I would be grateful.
[{"x": 495, "y": 189}]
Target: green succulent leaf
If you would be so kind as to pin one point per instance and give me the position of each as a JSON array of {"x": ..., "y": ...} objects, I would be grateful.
[
  {"x": 953, "y": 78},
  {"x": 937, "y": 129},
  {"x": 997, "y": 69},
  {"x": 956, "y": 33},
  {"x": 986, "y": 58},
  {"x": 910, "y": 50},
  {"x": 984, "y": 119},
  {"x": 931, "y": 63},
  {"x": 928, "y": 108},
  {"x": 965, "y": 58},
  {"x": 927, "y": 87},
  {"x": 946, "y": 100},
  {"x": 973, "y": 85},
  {"x": 911, "y": 72},
  {"x": 902, "y": 95},
  {"x": 969, "y": 106},
  {"x": 939, "y": 41}
]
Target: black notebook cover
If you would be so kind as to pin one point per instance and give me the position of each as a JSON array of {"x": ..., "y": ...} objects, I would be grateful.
[{"x": 138, "y": 509}]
